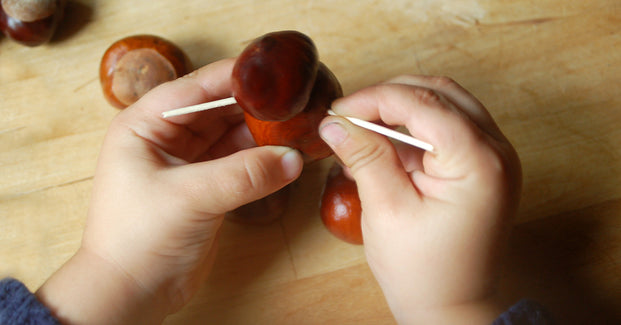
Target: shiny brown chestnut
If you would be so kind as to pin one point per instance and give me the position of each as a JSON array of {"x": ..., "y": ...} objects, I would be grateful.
[
  {"x": 301, "y": 131},
  {"x": 340, "y": 208},
  {"x": 274, "y": 75},
  {"x": 30, "y": 22},
  {"x": 136, "y": 64}
]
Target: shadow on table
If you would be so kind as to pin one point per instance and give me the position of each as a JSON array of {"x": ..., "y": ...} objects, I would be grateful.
[
  {"x": 568, "y": 263},
  {"x": 76, "y": 16},
  {"x": 252, "y": 258},
  {"x": 201, "y": 51}
]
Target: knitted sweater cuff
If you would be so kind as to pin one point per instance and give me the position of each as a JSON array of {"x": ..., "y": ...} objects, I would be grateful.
[
  {"x": 19, "y": 306},
  {"x": 525, "y": 312}
]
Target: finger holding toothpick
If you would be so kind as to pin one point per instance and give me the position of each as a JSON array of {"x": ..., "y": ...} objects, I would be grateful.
[
  {"x": 361, "y": 123},
  {"x": 388, "y": 132}
]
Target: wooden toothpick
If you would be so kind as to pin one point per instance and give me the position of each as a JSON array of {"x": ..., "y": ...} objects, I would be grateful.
[
  {"x": 200, "y": 107},
  {"x": 388, "y": 132},
  {"x": 361, "y": 123}
]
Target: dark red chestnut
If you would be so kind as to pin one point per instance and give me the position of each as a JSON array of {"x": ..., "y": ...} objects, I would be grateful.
[
  {"x": 136, "y": 64},
  {"x": 274, "y": 75},
  {"x": 301, "y": 131},
  {"x": 340, "y": 207},
  {"x": 30, "y": 22}
]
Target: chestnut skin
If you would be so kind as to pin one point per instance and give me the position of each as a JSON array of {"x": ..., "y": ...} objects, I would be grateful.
[
  {"x": 132, "y": 66},
  {"x": 302, "y": 131},
  {"x": 274, "y": 75},
  {"x": 340, "y": 208},
  {"x": 25, "y": 23}
]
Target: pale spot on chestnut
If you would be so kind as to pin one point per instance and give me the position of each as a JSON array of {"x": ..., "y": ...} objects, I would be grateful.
[
  {"x": 29, "y": 10},
  {"x": 134, "y": 65},
  {"x": 30, "y": 22},
  {"x": 139, "y": 71}
]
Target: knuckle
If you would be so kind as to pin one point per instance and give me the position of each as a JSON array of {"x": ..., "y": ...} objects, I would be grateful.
[
  {"x": 255, "y": 175},
  {"x": 192, "y": 75},
  {"x": 443, "y": 82},
  {"x": 366, "y": 155},
  {"x": 428, "y": 97},
  {"x": 501, "y": 165},
  {"x": 404, "y": 78},
  {"x": 248, "y": 178}
]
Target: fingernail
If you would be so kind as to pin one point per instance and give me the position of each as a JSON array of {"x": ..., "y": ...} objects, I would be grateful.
[
  {"x": 292, "y": 164},
  {"x": 333, "y": 133}
]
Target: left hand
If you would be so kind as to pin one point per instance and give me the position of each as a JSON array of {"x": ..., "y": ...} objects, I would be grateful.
[{"x": 161, "y": 190}]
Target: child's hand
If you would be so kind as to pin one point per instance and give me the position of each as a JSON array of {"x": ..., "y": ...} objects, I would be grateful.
[
  {"x": 434, "y": 224},
  {"x": 161, "y": 189}
]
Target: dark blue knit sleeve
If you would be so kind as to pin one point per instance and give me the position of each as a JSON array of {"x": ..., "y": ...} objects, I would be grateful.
[
  {"x": 19, "y": 306},
  {"x": 525, "y": 312}
]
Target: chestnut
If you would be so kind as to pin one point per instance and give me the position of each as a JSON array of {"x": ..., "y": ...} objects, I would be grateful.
[
  {"x": 263, "y": 211},
  {"x": 136, "y": 64},
  {"x": 301, "y": 131},
  {"x": 274, "y": 75},
  {"x": 30, "y": 22},
  {"x": 340, "y": 208}
]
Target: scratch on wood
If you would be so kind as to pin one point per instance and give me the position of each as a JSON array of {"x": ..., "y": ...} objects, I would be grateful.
[
  {"x": 534, "y": 21},
  {"x": 45, "y": 188},
  {"x": 12, "y": 130},
  {"x": 419, "y": 65},
  {"x": 84, "y": 85},
  {"x": 289, "y": 253}
]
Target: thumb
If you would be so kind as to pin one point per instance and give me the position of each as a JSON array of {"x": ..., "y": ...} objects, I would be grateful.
[
  {"x": 221, "y": 185},
  {"x": 371, "y": 159}
]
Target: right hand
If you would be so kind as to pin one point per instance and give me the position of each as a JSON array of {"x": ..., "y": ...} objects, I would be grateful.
[{"x": 434, "y": 224}]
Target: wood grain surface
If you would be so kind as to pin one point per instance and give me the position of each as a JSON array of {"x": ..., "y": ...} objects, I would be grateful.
[{"x": 549, "y": 72}]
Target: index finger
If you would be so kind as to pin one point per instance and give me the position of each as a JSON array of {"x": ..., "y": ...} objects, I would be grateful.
[
  {"x": 428, "y": 116},
  {"x": 209, "y": 83},
  {"x": 458, "y": 95},
  {"x": 187, "y": 135}
]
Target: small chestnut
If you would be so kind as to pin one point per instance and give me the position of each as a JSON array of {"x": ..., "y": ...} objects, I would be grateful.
[
  {"x": 340, "y": 208},
  {"x": 302, "y": 130},
  {"x": 30, "y": 22},
  {"x": 136, "y": 64},
  {"x": 274, "y": 75}
]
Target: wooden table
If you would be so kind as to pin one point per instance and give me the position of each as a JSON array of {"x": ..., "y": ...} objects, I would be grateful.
[{"x": 549, "y": 71}]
